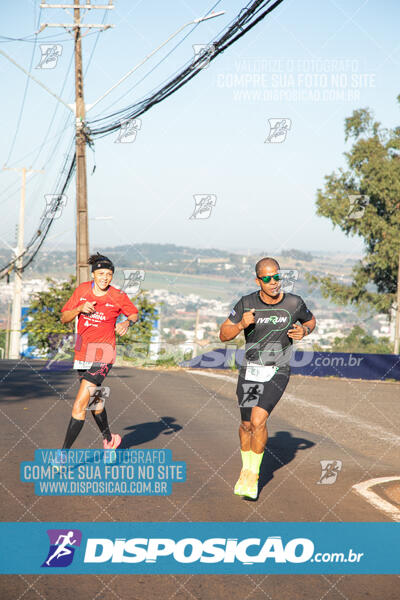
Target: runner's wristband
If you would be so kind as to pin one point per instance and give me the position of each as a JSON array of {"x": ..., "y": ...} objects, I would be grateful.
[{"x": 307, "y": 329}]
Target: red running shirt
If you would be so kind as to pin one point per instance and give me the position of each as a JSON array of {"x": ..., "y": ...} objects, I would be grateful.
[{"x": 96, "y": 331}]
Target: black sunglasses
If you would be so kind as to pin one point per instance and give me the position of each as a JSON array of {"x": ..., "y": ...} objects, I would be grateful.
[{"x": 268, "y": 278}]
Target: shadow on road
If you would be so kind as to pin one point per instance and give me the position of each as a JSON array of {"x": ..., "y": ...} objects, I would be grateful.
[
  {"x": 25, "y": 380},
  {"x": 281, "y": 450},
  {"x": 145, "y": 432}
]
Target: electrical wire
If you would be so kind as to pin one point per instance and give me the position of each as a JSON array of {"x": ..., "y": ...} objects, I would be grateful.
[
  {"x": 247, "y": 18},
  {"x": 59, "y": 135},
  {"x": 5, "y": 39},
  {"x": 68, "y": 117},
  {"x": 164, "y": 58},
  {"x": 24, "y": 98},
  {"x": 46, "y": 221}
]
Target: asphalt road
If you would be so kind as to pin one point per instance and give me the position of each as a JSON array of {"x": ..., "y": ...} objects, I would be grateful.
[{"x": 196, "y": 416}]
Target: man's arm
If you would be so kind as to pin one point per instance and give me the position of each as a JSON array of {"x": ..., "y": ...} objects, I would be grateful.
[
  {"x": 297, "y": 332},
  {"x": 310, "y": 325},
  {"x": 229, "y": 330}
]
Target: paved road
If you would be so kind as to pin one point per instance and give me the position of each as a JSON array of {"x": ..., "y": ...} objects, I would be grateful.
[{"x": 195, "y": 415}]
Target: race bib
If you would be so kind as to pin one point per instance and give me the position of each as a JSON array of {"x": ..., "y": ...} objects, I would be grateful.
[
  {"x": 82, "y": 364},
  {"x": 260, "y": 373}
]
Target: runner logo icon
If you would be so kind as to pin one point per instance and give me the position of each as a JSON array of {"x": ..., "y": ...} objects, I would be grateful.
[
  {"x": 204, "y": 203},
  {"x": 278, "y": 130},
  {"x": 330, "y": 470},
  {"x": 251, "y": 394},
  {"x": 62, "y": 547}
]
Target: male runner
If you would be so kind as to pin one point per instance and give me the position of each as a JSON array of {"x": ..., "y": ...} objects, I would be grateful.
[
  {"x": 97, "y": 304},
  {"x": 268, "y": 318}
]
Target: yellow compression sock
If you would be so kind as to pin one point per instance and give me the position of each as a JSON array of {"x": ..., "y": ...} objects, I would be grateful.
[
  {"x": 255, "y": 461},
  {"x": 246, "y": 459}
]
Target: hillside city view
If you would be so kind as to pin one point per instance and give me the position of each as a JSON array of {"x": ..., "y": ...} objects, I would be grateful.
[{"x": 195, "y": 289}]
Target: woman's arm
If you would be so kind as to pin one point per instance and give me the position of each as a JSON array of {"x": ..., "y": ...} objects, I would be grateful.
[
  {"x": 69, "y": 315},
  {"x": 122, "y": 328}
]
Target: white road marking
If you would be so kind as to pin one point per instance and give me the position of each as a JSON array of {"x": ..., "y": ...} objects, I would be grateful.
[
  {"x": 217, "y": 376},
  {"x": 374, "y": 431},
  {"x": 363, "y": 489}
]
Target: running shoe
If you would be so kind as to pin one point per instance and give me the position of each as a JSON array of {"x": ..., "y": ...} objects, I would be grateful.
[
  {"x": 114, "y": 443},
  {"x": 250, "y": 490},
  {"x": 60, "y": 459},
  {"x": 241, "y": 482}
]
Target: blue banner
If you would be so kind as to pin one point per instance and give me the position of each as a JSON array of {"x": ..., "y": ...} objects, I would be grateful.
[
  {"x": 318, "y": 364},
  {"x": 103, "y": 472},
  {"x": 215, "y": 548}
]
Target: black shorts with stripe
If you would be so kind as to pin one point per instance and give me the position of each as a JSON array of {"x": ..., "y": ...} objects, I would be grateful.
[
  {"x": 266, "y": 395},
  {"x": 96, "y": 373}
]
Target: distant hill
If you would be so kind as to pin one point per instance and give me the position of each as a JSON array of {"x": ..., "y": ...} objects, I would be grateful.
[
  {"x": 162, "y": 253},
  {"x": 56, "y": 262},
  {"x": 178, "y": 259}
]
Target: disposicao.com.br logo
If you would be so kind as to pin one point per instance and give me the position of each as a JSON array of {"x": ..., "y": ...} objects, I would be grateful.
[
  {"x": 247, "y": 551},
  {"x": 158, "y": 547},
  {"x": 62, "y": 547}
]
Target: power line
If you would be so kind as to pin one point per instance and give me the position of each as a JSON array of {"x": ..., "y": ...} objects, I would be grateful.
[
  {"x": 55, "y": 110},
  {"x": 244, "y": 22},
  {"x": 46, "y": 221},
  {"x": 21, "y": 159},
  {"x": 96, "y": 42},
  {"x": 247, "y": 18},
  {"x": 5, "y": 40},
  {"x": 81, "y": 139},
  {"x": 24, "y": 97},
  {"x": 51, "y": 153},
  {"x": 15, "y": 336},
  {"x": 59, "y": 136},
  {"x": 161, "y": 60}
]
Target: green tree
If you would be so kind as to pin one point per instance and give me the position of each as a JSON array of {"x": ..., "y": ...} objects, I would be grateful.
[
  {"x": 140, "y": 333},
  {"x": 372, "y": 175},
  {"x": 297, "y": 254},
  {"x": 44, "y": 326},
  {"x": 177, "y": 339},
  {"x": 359, "y": 340},
  {"x": 3, "y": 334}
]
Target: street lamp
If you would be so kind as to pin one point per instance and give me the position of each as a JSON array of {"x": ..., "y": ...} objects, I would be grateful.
[{"x": 210, "y": 16}]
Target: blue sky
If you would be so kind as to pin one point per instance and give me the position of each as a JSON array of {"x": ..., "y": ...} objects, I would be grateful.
[{"x": 209, "y": 137}]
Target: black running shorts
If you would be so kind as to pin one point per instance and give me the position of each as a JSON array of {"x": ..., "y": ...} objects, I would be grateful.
[
  {"x": 96, "y": 373},
  {"x": 266, "y": 394}
]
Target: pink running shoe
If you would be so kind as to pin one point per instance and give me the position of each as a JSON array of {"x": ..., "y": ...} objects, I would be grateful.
[{"x": 115, "y": 442}]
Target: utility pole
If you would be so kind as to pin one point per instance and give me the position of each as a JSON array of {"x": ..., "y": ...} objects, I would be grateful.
[
  {"x": 79, "y": 108},
  {"x": 82, "y": 229},
  {"x": 196, "y": 329},
  {"x": 7, "y": 331},
  {"x": 15, "y": 329},
  {"x": 397, "y": 323}
]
